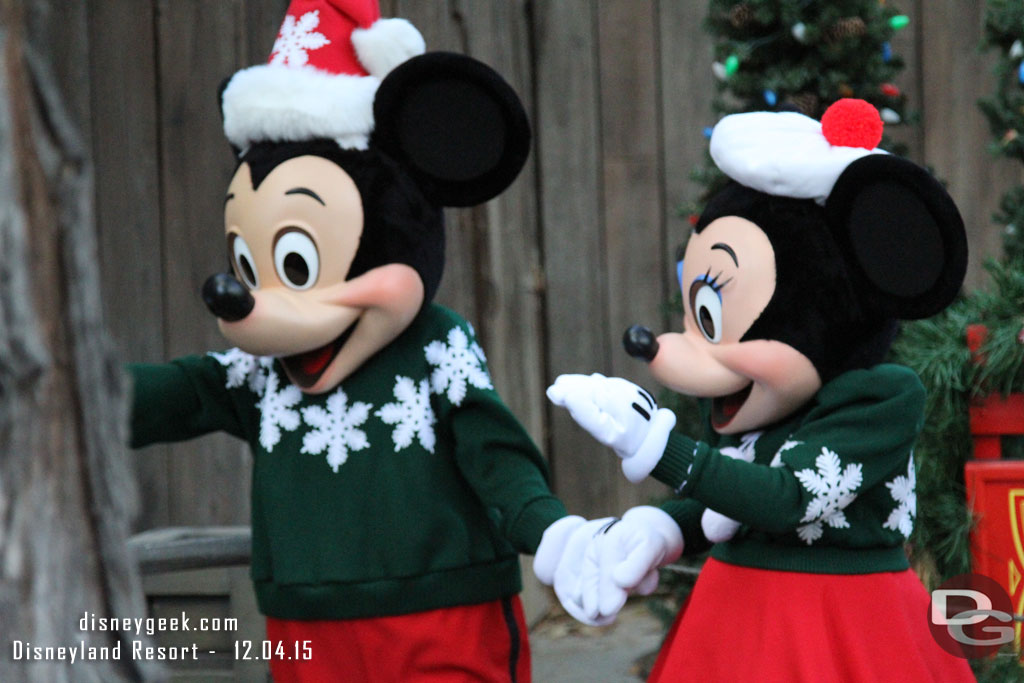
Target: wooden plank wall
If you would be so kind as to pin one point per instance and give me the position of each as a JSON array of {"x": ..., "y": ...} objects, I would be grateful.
[{"x": 551, "y": 273}]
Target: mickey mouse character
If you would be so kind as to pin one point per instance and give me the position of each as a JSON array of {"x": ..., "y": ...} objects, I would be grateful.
[
  {"x": 803, "y": 485},
  {"x": 392, "y": 489}
]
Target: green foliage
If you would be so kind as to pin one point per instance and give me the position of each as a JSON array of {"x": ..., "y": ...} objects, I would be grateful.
[{"x": 1004, "y": 668}]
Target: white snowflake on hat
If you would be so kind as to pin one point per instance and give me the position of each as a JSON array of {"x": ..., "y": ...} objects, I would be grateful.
[
  {"x": 791, "y": 155},
  {"x": 323, "y": 73},
  {"x": 297, "y": 38}
]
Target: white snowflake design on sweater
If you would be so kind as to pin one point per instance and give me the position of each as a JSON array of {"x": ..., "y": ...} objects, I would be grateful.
[
  {"x": 412, "y": 414},
  {"x": 297, "y": 38},
  {"x": 789, "y": 444},
  {"x": 833, "y": 488},
  {"x": 277, "y": 410},
  {"x": 245, "y": 368},
  {"x": 458, "y": 363},
  {"x": 335, "y": 430},
  {"x": 903, "y": 491}
]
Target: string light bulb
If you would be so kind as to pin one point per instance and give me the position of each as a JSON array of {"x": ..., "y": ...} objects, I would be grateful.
[
  {"x": 732, "y": 65},
  {"x": 899, "y": 22}
]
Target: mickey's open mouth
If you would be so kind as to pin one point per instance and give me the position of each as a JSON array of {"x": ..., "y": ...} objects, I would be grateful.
[
  {"x": 724, "y": 408},
  {"x": 307, "y": 367}
]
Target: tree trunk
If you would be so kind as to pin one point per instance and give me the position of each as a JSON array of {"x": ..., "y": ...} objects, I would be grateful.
[{"x": 66, "y": 492}]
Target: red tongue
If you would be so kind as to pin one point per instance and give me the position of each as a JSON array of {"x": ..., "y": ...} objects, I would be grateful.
[
  {"x": 314, "y": 361},
  {"x": 732, "y": 404}
]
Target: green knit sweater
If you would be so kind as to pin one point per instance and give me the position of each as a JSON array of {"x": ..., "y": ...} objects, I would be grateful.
[
  {"x": 409, "y": 487},
  {"x": 830, "y": 490}
]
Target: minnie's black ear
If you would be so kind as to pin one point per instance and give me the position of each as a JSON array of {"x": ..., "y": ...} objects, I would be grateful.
[
  {"x": 456, "y": 125},
  {"x": 901, "y": 235}
]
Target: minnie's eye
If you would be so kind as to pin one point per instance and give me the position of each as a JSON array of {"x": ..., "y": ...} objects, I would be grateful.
[
  {"x": 706, "y": 305},
  {"x": 296, "y": 259},
  {"x": 244, "y": 263}
]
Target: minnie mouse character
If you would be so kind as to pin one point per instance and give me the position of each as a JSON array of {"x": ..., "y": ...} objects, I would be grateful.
[
  {"x": 803, "y": 486},
  {"x": 392, "y": 489}
]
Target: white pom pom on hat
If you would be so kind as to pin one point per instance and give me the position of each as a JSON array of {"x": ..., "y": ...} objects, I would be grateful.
[
  {"x": 791, "y": 155},
  {"x": 322, "y": 75}
]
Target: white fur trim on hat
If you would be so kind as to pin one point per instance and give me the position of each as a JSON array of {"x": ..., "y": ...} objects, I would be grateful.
[
  {"x": 278, "y": 103},
  {"x": 781, "y": 153},
  {"x": 386, "y": 44}
]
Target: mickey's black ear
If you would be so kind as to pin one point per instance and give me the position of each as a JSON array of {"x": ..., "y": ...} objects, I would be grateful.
[
  {"x": 456, "y": 125},
  {"x": 901, "y": 235}
]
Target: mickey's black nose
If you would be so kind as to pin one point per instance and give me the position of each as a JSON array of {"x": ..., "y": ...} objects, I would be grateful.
[
  {"x": 227, "y": 298},
  {"x": 640, "y": 343}
]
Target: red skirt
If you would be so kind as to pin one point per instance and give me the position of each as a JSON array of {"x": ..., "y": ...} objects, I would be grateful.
[
  {"x": 466, "y": 644},
  {"x": 745, "y": 624}
]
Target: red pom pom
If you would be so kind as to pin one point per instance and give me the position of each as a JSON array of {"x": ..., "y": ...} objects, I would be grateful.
[{"x": 852, "y": 123}]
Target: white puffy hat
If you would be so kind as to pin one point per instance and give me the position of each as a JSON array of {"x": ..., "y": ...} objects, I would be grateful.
[{"x": 787, "y": 154}]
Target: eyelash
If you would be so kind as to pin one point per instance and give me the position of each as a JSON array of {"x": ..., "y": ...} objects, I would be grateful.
[{"x": 713, "y": 282}]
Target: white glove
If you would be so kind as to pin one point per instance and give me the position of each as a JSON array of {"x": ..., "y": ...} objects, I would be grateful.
[
  {"x": 620, "y": 415},
  {"x": 627, "y": 556},
  {"x": 552, "y": 546},
  {"x": 716, "y": 526},
  {"x": 576, "y": 573}
]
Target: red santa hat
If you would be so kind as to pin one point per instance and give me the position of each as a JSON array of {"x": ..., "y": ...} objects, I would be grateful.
[{"x": 322, "y": 76}]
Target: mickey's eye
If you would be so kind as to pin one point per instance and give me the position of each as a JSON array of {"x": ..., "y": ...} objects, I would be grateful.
[
  {"x": 706, "y": 305},
  {"x": 296, "y": 259},
  {"x": 244, "y": 263}
]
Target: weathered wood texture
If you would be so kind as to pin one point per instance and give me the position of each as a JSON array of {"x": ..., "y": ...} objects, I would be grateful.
[
  {"x": 67, "y": 495},
  {"x": 551, "y": 273}
]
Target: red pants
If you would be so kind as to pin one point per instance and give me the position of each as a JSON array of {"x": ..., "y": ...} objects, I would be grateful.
[{"x": 471, "y": 643}]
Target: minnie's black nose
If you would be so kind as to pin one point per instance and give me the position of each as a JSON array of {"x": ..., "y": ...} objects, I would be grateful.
[
  {"x": 640, "y": 343},
  {"x": 227, "y": 298}
]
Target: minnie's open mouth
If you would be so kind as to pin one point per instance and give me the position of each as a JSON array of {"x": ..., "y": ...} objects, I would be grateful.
[
  {"x": 307, "y": 367},
  {"x": 724, "y": 408}
]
